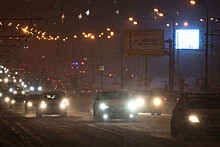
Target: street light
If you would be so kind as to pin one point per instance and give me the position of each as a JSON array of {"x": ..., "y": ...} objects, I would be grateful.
[
  {"x": 204, "y": 5},
  {"x": 171, "y": 52}
]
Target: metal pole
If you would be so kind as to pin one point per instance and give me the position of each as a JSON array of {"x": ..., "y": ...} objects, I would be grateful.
[
  {"x": 146, "y": 71},
  {"x": 122, "y": 76},
  {"x": 101, "y": 72},
  {"x": 171, "y": 66},
  {"x": 207, "y": 50}
]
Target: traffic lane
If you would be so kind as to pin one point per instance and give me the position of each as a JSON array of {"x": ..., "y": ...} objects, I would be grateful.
[{"x": 82, "y": 130}]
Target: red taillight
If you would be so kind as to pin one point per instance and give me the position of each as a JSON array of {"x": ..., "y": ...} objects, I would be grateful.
[
  {"x": 165, "y": 99},
  {"x": 178, "y": 99},
  {"x": 74, "y": 92},
  {"x": 96, "y": 90},
  {"x": 89, "y": 91},
  {"x": 82, "y": 91}
]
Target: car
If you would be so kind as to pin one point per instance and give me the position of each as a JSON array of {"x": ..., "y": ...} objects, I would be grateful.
[
  {"x": 52, "y": 103},
  {"x": 196, "y": 115},
  {"x": 17, "y": 100},
  {"x": 31, "y": 102},
  {"x": 148, "y": 101},
  {"x": 114, "y": 104}
]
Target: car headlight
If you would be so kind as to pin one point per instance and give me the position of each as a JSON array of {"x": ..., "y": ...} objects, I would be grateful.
[
  {"x": 43, "y": 105},
  {"x": 39, "y": 88},
  {"x": 7, "y": 99},
  {"x": 157, "y": 101},
  {"x": 30, "y": 104},
  {"x": 32, "y": 88},
  {"x": 11, "y": 89},
  {"x": 12, "y": 101},
  {"x": 65, "y": 101},
  {"x": 0, "y": 80},
  {"x": 6, "y": 80},
  {"x": 0, "y": 94},
  {"x": 140, "y": 101},
  {"x": 15, "y": 92},
  {"x": 23, "y": 92},
  {"x": 193, "y": 119},
  {"x": 132, "y": 106},
  {"x": 62, "y": 105},
  {"x": 103, "y": 106}
]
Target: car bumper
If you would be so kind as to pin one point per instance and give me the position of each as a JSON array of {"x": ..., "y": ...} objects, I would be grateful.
[
  {"x": 117, "y": 114},
  {"x": 53, "y": 110}
]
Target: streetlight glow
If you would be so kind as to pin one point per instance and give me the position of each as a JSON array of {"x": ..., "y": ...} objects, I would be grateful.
[
  {"x": 135, "y": 23},
  {"x": 193, "y": 2},
  {"x": 185, "y": 24},
  {"x": 156, "y": 10},
  {"x": 161, "y": 14},
  {"x": 131, "y": 19}
]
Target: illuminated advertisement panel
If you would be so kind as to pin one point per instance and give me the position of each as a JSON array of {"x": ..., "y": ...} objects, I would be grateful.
[{"x": 187, "y": 39}]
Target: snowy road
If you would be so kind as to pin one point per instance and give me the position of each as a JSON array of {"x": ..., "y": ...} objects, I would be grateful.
[{"x": 80, "y": 129}]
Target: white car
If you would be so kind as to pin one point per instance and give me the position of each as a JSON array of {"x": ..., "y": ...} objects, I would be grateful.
[{"x": 196, "y": 115}]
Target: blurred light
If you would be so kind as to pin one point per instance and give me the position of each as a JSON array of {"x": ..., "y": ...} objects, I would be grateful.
[
  {"x": 32, "y": 88},
  {"x": 212, "y": 18},
  {"x": 130, "y": 19},
  {"x": 135, "y": 23},
  {"x": 156, "y": 10},
  {"x": 75, "y": 36},
  {"x": 176, "y": 24},
  {"x": 80, "y": 16},
  {"x": 108, "y": 29},
  {"x": 92, "y": 37},
  {"x": 109, "y": 37},
  {"x": 185, "y": 24},
  {"x": 168, "y": 25},
  {"x": 6, "y": 80},
  {"x": 15, "y": 92},
  {"x": 112, "y": 33},
  {"x": 11, "y": 89},
  {"x": 161, "y": 14},
  {"x": 193, "y": 2},
  {"x": 87, "y": 12}
]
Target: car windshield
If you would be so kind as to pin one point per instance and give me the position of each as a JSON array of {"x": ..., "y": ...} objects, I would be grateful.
[
  {"x": 52, "y": 96},
  {"x": 204, "y": 103},
  {"x": 114, "y": 95}
]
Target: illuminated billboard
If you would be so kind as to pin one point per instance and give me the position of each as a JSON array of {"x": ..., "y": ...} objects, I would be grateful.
[{"x": 187, "y": 39}]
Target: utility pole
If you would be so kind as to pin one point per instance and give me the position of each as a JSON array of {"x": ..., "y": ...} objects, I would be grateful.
[
  {"x": 171, "y": 66},
  {"x": 101, "y": 72},
  {"x": 93, "y": 66},
  {"x": 122, "y": 75}
]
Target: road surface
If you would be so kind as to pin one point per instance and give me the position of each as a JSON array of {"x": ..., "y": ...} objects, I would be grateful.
[{"x": 79, "y": 129}]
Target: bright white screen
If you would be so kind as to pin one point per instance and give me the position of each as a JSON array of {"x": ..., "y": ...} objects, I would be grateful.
[{"x": 187, "y": 39}]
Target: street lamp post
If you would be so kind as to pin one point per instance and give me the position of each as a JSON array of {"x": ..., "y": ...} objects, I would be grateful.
[
  {"x": 193, "y": 2},
  {"x": 171, "y": 52}
]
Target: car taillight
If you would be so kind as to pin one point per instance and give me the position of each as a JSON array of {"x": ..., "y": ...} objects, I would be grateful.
[
  {"x": 165, "y": 99},
  {"x": 82, "y": 91},
  {"x": 178, "y": 99},
  {"x": 89, "y": 91}
]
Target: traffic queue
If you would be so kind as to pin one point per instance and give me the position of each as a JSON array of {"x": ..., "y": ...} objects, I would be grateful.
[{"x": 194, "y": 114}]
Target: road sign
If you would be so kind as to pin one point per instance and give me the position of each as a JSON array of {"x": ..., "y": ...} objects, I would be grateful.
[
  {"x": 101, "y": 68},
  {"x": 141, "y": 43}
]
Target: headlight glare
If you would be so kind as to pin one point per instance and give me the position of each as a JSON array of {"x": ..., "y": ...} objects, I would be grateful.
[
  {"x": 30, "y": 104},
  {"x": 157, "y": 101},
  {"x": 39, "y": 88},
  {"x": 62, "y": 105},
  {"x": 12, "y": 101},
  {"x": 132, "y": 106},
  {"x": 103, "y": 106},
  {"x": 43, "y": 105},
  {"x": 140, "y": 101},
  {"x": 7, "y": 99},
  {"x": 194, "y": 119}
]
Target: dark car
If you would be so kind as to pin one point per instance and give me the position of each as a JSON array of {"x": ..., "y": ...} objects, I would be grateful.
[
  {"x": 31, "y": 102},
  {"x": 52, "y": 103},
  {"x": 114, "y": 105},
  {"x": 196, "y": 115},
  {"x": 17, "y": 101},
  {"x": 148, "y": 101}
]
